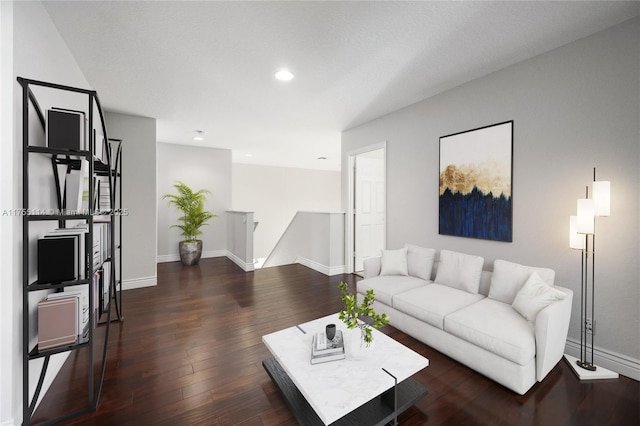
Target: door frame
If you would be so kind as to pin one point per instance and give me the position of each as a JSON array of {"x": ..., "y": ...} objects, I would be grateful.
[{"x": 350, "y": 242}]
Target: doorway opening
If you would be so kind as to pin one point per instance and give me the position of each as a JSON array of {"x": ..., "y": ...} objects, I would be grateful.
[{"x": 366, "y": 207}]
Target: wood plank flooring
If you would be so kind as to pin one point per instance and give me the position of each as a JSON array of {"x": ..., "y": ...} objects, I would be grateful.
[{"x": 189, "y": 352}]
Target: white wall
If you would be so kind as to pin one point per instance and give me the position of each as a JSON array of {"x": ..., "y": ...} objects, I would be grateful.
[
  {"x": 38, "y": 53},
  {"x": 200, "y": 168},
  {"x": 313, "y": 239},
  {"x": 9, "y": 360},
  {"x": 275, "y": 194},
  {"x": 139, "y": 239},
  {"x": 574, "y": 108}
]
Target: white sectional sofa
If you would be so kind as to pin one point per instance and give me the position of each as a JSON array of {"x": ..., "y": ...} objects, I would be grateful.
[{"x": 510, "y": 324}]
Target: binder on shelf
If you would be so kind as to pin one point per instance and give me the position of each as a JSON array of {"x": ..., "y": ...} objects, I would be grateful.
[
  {"x": 79, "y": 233},
  {"x": 82, "y": 294},
  {"x": 99, "y": 146},
  {"x": 105, "y": 227},
  {"x": 65, "y": 129},
  {"x": 86, "y": 181},
  {"x": 104, "y": 199},
  {"x": 96, "y": 193},
  {"x": 57, "y": 322},
  {"x": 76, "y": 189},
  {"x": 96, "y": 296},
  {"x": 99, "y": 242},
  {"x": 105, "y": 283},
  {"x": 57, "y": 259},
  {"x": 73, "y": 191}
]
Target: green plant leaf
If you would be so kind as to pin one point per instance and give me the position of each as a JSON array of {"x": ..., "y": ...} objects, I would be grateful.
[
  {"x": 352, "y": 312},
  {"x": 191, "y": 205}
]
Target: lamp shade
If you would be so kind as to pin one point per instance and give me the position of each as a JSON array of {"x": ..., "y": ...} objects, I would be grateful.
[
  {"x": 602, "y": 198},
  {"x": 576, "y": 241},
  {"x": 585, "y": 222}
]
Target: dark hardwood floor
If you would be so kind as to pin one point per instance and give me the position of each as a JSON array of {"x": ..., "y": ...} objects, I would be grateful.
[{"x": 189, "y": 352}]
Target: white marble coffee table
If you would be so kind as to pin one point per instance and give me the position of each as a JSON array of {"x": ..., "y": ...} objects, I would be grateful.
[{"x": 360, "y": 388}]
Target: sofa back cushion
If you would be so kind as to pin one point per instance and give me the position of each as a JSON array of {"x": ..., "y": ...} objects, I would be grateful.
[
  {"x": 485, "y": 279},
  {"x": 420, "y": 261},
  {"x": 459, "y": 270},
  {"x": 394, "y": 262},
  {"x": 508, "y": 278}
]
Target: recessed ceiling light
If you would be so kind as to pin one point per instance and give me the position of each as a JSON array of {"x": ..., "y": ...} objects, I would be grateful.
[
  {"x": 199, "y": 135},
  {"x": 322, "y": 158},
  {"x": 284, "y": 75},
  {"x": 248, "y": 155}
]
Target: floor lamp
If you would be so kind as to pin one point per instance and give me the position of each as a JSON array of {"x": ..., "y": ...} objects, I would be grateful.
[{"x": 582, "y": 236}]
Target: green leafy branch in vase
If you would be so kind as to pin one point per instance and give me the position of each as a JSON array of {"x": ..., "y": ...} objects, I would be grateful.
[{"x": 353, "y": 314}]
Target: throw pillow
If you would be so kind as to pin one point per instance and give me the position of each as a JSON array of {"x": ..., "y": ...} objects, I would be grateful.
[
  {"x": 394, "y": 262},
  {"x": 420, "y": 261},
  {"x": 534, "y": 296},
  {"x": 508, "y": 278},
  {"x": 459, "y": 270}
]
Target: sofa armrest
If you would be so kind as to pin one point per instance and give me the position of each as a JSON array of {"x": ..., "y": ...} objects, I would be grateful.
[
  {"x": 372, "y": 266},
  {"x": 551, "y": 328}
]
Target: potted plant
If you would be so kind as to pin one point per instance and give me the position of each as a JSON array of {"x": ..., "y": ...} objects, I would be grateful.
[
  {"x": 362, "y": 316},
  {"x": 191, "y": 204}
]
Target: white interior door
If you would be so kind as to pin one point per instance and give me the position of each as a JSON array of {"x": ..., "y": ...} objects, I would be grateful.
[{"x": 369, "y": 206}]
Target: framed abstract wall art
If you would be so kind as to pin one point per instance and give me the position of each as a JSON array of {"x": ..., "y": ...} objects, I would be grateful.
[{"x": 476, "y": 169}]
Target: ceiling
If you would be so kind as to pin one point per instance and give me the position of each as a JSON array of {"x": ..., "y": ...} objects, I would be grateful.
[{"x": 210, "y": 66}]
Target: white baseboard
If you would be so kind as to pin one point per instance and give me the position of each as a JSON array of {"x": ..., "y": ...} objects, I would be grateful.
[
  {"x": 168, "y": 258},
  {"x": 175, "y": 257},
  {"x": 8, "y": 422},
  {"x": 323, "y": 269},
  {"x": 139, "y": 282},
  {"x": 621, "y": 364},
  {"x": 214, "y": 253},
  {"x": 246, "y": 266}
]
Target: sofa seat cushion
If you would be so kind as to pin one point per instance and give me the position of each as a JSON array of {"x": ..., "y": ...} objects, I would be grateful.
[
  {"x": 496, "y": 327},
  {"x": 433, "y": 302},
  {"x": 386, "y": 287}
]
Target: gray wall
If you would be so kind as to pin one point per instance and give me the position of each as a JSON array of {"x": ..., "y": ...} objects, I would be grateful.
[
  {"x": 574, "y": 108},
  {"x": 139, "y": 239},
  {"x": 200, "y": 168}
]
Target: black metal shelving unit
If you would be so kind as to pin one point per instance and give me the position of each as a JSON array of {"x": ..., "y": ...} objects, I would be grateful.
[
  {"x": 114, "y": 173},
  {"x": 106, "y": 168}
]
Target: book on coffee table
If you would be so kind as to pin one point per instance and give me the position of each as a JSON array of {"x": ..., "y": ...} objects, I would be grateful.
[{"x": 325, "y": 351}]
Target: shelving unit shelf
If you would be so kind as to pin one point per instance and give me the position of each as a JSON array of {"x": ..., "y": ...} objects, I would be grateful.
[{"x": 96, "y": 168}]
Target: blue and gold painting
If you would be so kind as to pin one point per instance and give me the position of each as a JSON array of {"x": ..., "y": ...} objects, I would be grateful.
[{"x": 476, "y": 198}]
